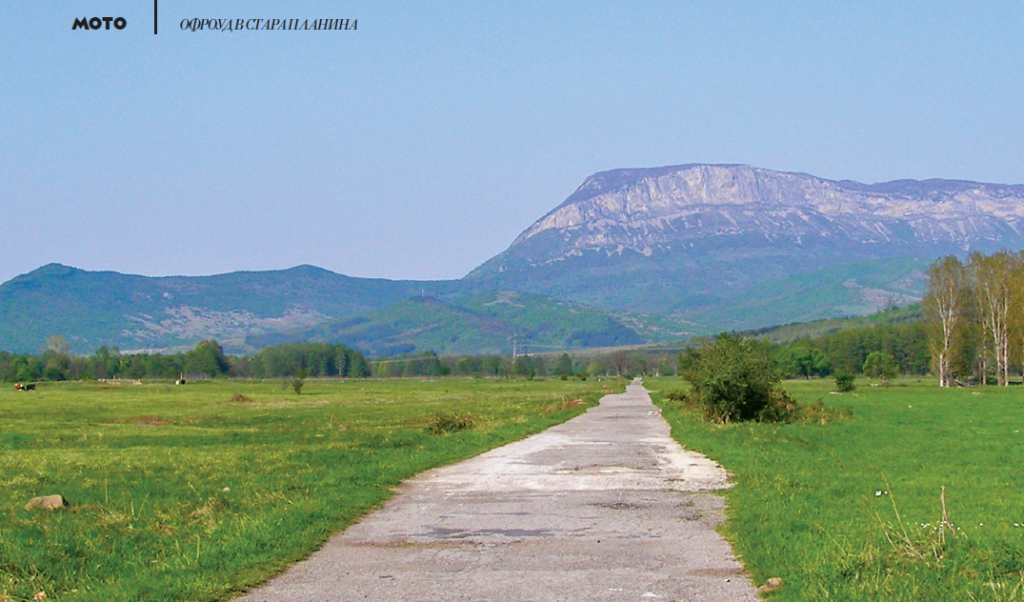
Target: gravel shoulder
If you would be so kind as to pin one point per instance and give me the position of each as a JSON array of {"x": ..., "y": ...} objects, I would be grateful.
[{"x": 603, "y": 507}]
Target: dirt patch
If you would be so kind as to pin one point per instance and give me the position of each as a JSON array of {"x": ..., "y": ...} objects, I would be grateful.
[
  {"x": 239, "y": 398},
  {"x": 294, "y": 404},
  {"x": 144, "y": 421},
  {"x": 565, "y": 404}
]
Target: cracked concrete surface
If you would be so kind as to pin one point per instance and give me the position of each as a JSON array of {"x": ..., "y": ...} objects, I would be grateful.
[{"x": 605, "y": 507}]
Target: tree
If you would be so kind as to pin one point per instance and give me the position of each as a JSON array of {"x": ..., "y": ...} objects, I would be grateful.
[
  {"x": 206, "y": 358},
  {"x": 523, "y": 366},
  {"x": 620, "y": 362},
  {"x": 55, "y": 359},
  {"x": 57, "y": 345},
  {"x": 638, "y": 364},
  {"x": 562, "y": 366},
  {"x": 992, "y": 280},
  {"x": 880, "y": 364},
  {"x": 801, "y": 360},
  {"x": 467, "y": 365},
  {"x": 298, "y": 380},
  {"x": 358, "y": 366},
  {"x": 492, "y": 365},
  {"x": 945, "y": 307}
]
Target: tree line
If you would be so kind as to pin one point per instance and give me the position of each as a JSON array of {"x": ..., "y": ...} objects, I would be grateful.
[
  {"x": 902, "y": 347},
  {"x": 877, "y": 350},
  {"x": 529, "y": 366},
  {"x": 206, "y": 359}
]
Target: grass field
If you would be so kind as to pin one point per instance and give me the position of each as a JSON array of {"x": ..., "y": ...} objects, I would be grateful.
[
  {"x": 181, "y": 493},
  {"x": 852, "y": 510}
]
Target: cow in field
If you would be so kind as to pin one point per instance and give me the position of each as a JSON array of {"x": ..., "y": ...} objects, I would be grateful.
[{"x": 21, "y": 387}]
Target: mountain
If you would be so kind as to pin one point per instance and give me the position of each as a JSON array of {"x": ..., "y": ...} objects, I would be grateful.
[
  {"x": 92, "y": 309},
  {"x": 248, "y": 310},
  {"x": 703, "y": 241},
  {"x": 633, "y": 255}
]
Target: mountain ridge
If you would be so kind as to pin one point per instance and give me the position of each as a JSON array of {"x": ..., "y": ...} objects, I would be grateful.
[
  {"x": 680, "y": 192},
  {"x": 676, "y": 249},
  {"x": 713, "y": 231}
]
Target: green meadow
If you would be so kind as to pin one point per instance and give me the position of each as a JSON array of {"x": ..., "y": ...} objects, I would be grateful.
[
  {"x": 853, "y": 510},
  {"x": 201, "y": 491}
]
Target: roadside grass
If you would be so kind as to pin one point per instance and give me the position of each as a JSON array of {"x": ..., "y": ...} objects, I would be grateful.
[
  {"x": 203, "y": 491},
  {"x": 853, "y": 510}
]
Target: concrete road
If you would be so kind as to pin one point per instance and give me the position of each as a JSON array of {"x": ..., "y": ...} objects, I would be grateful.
[{"x": 603, "y": 507}]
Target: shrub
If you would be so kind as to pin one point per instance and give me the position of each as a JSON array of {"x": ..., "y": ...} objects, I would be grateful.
[
  {"x": 734, "y": 379},
  {"x": 448, "y": 423},
  {"x": 844, "y": 382},
  {"x": 298, "y": 381},
  {"x": 818, "y": 413}
]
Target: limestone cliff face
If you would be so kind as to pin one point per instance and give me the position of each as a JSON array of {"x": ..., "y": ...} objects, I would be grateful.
[
  {"x": 696, "y": 238},
  {"x": 651, "y": 210}
]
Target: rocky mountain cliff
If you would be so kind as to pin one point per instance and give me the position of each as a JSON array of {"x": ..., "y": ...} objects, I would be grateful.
[
  {"x": 688, "y": 238},
  {"x": 646, "y": 210}
]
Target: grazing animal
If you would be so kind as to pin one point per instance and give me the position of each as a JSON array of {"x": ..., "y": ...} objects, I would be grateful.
[{"x": 21, "y": 387}]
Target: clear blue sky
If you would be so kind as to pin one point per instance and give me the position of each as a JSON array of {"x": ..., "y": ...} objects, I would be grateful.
[{"x": 421, "y": 144}]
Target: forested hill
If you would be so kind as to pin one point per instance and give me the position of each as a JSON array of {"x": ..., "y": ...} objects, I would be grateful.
[
  {"x": 93, "y": 309},
  {"x": 246, "y": 311},
  {"x": 492, "y": 322},
  {"x": 816, "y": 329}
]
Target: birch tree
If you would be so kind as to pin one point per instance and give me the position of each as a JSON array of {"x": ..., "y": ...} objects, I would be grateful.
[
  {"x": 993, "y": 290},
  {"x": 945, "y": 309}
]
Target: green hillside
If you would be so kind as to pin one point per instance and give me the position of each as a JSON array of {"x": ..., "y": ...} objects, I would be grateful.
[
  {"x": 488, "y": 322},
  {"x": 248, "y": 310},
  {"x": 92, "y": 309},
  {"x": 854, "y": 289},
  {"x": 787, "y": 333}
]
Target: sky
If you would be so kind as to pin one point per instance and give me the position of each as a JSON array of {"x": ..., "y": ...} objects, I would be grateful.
[{"x": 420, "y": 144}]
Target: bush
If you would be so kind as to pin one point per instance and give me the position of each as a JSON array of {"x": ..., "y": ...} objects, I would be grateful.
[
  {"x": 446, "y": 423},
  {"x": 781, "y": 409},
  {"x": 734, "y": 379},
  {"x": 818, "y": 413},
  {"x": 844, "y": 382},
  {"x": 298, "y": 381}
]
